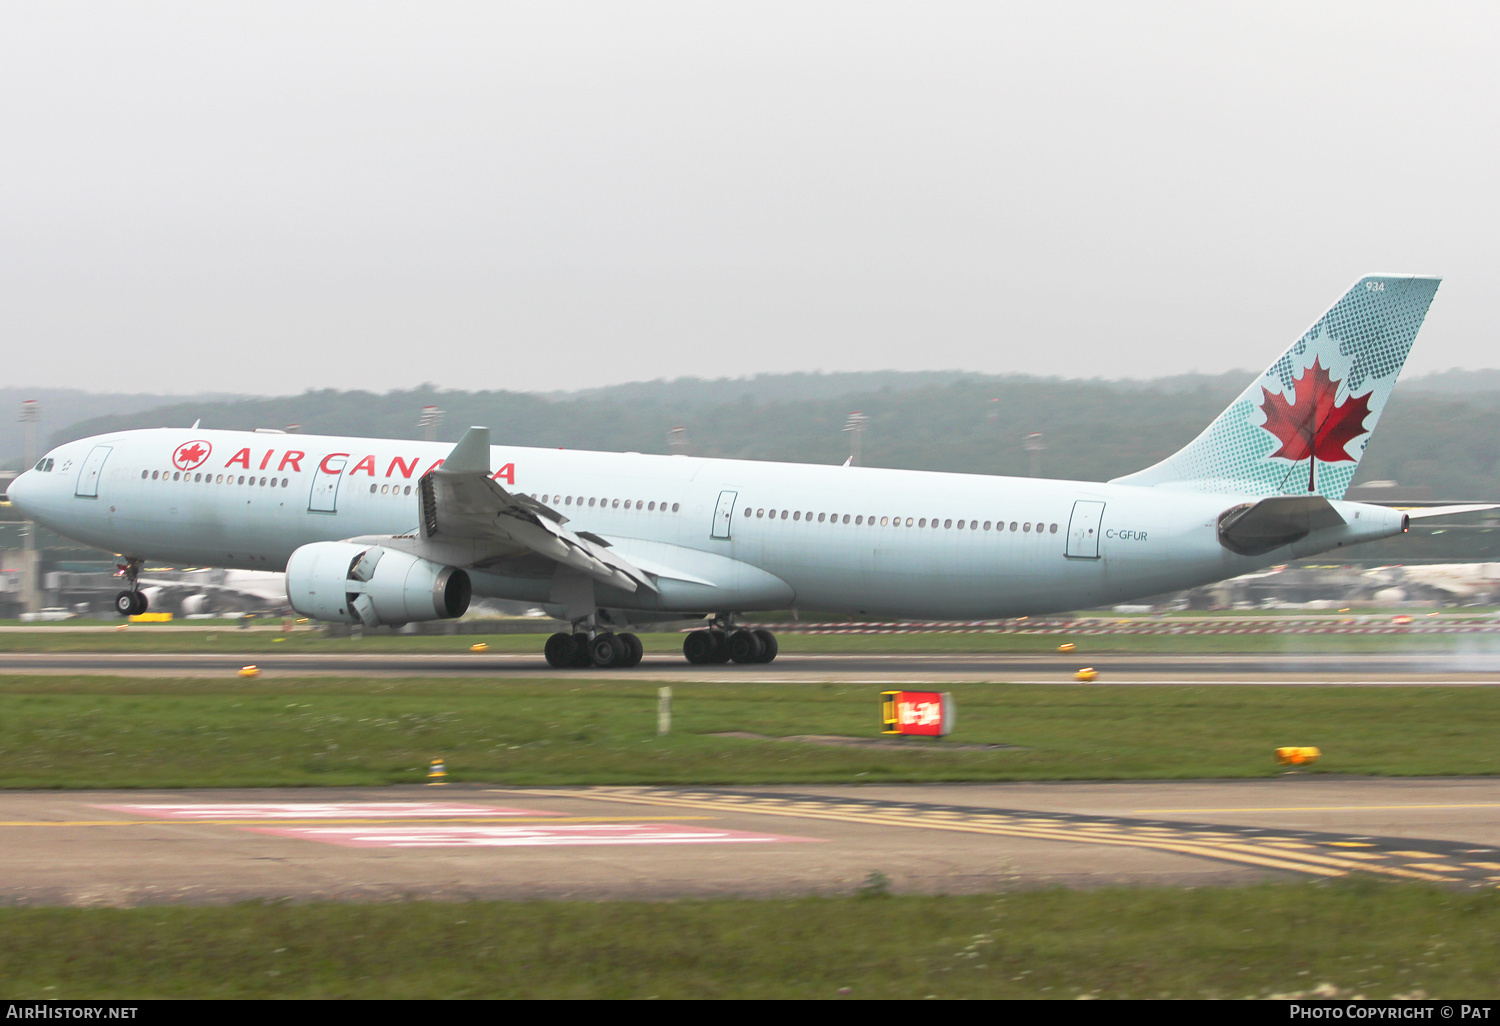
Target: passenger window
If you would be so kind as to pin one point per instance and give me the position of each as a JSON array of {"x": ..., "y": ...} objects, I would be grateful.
[
  {"x": 1054, "y": 529},
  {"x": 1026, "y": 527},
  {"x": 859, "y": 520},
  {"x": 846, "y": 518},
  {"x": 759, "y": 513},
  {"x": 783, "y": 514},
  {"x": 797, "y": 515},
  {"x": 947, "y": 523},
  {"x": 909, "y": 521},
  {"x": 372, "y": 489},
  {"x": 675, "y": 505},
  {"x": 153, "y": 475},
  {"x": 882, "y": 521},
  {"x": 922, "y": 522},
  {"x": 1014, "y": 525},
  {"x": 986, "y": 525},
  {"x": 821, "y": 517}
]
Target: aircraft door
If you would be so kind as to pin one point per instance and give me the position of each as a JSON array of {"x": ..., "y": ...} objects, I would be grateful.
[
  {"x": 1083, "y": 530},
  {"x": 88, "y": 474},
  {"x": 325, "y": 486},
  {"x": 724, "y": 515}
]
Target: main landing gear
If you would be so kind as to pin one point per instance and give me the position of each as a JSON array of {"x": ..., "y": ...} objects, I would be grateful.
[
  {"x": 131, "y": 601},
  {"x": 607, "y": 651},
  {"x": 604, "y": 651},
  {"x": 719, "y": 646}
]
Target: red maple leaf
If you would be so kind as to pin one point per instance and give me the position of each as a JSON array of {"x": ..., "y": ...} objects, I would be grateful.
[
  {"x": 1313, "y": 424},
  {"x": 188, "y": 457}
]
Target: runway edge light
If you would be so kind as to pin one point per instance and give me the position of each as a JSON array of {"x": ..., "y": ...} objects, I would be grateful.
[
  {"x": 250, "y": 671},
  {"x": 1292, "y": 756},
  {"x": 437, "y": 772},
  {"x": 1086, "y": 675},
  {"x": 917, "y": 713}
]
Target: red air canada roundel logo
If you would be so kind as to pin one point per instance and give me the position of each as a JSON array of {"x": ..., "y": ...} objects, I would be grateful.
[{"x": 191, "y": 454}]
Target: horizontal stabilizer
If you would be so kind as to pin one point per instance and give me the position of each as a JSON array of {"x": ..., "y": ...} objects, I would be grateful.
[
  {"x": 1254, "y": 528},
  {"x": 1421, "y": 512}
]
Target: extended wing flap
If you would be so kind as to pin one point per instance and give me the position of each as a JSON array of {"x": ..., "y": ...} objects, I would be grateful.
[{"x": 461, "y": 500}]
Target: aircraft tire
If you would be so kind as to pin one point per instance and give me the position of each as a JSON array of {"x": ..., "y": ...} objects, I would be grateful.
[
  {"x": 634, "y": 650},
  {"x": 770, "y": 648},
  {"x": 746, "y": 647},
  {"x": 559, "y": 651},
  {"x": 721, "y": 647},
  {"x": 607, "y": 651},
  {"x": 581, "y": 658},
  {"x": 125, "y": 603},
  {"x": 698, "y": 647}
]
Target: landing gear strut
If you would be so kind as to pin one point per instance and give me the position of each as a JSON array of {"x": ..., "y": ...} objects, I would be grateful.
[{"x": 131, "y": 601}]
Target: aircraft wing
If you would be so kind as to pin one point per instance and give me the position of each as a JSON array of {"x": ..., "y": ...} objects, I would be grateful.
[{"x": 459, "y": 500}]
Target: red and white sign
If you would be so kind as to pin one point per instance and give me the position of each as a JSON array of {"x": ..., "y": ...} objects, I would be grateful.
[
  {"x": 324, "y": 810},
  {"x": 922, "y": 713},
  {"x": 190, "y": 455},
  {"x": 542, "y": 836}
]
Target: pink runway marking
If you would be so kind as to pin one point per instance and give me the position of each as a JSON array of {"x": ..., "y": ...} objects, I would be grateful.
[
  {"x": 519, "y": 836},
  {"x": 321, "y": 810}
]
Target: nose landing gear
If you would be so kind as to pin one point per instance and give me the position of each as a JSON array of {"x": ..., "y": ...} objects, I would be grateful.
[{"x": 131, "y": 601}]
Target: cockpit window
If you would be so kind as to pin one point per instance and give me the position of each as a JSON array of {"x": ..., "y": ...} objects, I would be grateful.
[{"x": 45, "y": 466}]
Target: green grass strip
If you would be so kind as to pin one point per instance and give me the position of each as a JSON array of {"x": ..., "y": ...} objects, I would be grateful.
[
  {"x": 1348, "y": 939},
  {"x": 106, "y": 732}
]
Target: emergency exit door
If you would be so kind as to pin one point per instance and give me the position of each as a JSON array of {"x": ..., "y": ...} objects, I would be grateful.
[
  {"x": 1083, "y": 530},
  {"x": 724, "y": 515}
]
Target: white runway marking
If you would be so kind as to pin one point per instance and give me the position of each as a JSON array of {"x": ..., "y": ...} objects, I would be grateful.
[
  {"x": 519, "y": 836},
  {"x": 322, "y": 810}
]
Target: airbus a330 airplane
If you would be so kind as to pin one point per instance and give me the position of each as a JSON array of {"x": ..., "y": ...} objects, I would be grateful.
[{"x": 379, "y": 531}]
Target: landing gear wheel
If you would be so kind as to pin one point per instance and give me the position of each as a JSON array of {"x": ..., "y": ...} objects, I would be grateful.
[
  {"x": 559, "y": 651},
  {"x": 581, "y": 658},
  {"x": 607, "y": 651},
  {"x": 768, "y": 640},
  {"x": 130, "y": 603},
  {"x": 634, "y": 650},
  {"x": 746, "y": 647},
  {"x": 698, "y": 647},
  {"x": 710, "y": 646}
]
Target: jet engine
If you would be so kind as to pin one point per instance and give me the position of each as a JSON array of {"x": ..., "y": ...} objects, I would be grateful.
[{"x": 366, "y": 584}]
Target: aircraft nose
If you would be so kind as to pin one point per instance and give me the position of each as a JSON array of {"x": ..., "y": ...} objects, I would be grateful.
[{"x": 20, "y": 489}]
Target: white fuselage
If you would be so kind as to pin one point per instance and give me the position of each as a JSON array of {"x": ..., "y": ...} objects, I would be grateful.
[{"x": 726, "y": 535}]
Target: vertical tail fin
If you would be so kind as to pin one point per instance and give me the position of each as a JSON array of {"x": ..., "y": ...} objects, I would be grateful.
[{"x": 1303, "y": 425}]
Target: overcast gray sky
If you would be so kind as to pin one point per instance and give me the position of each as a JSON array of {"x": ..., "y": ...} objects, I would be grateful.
[{"x": 268, "y": 197}]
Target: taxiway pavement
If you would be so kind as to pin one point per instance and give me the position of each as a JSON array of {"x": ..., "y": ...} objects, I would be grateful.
[{"x": 142, "y": 847}]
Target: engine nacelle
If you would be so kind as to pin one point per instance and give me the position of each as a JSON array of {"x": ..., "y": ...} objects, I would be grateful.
[{"x": 366, "y": 584}]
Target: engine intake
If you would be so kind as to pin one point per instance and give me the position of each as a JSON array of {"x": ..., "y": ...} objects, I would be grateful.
[{"x": 342, "y": 582}]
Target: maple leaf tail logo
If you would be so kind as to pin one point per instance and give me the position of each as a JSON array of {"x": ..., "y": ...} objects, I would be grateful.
[{"x": 1313, "y": 425}]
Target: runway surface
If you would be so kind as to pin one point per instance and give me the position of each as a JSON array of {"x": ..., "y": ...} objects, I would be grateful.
[
  {"x": 1478, "y": 668},
  {"x": 139, "y": 847}
]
